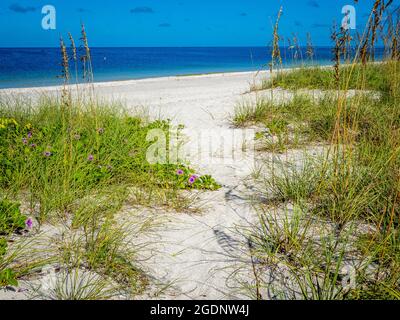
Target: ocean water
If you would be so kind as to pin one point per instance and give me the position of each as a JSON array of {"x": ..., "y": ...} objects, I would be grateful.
[{"x": 31, "y": 67}]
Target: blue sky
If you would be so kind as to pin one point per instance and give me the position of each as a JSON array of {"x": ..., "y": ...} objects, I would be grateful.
[{"x": 172, "y": 22}]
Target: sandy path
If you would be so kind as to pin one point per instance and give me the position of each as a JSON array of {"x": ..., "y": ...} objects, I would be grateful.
[{"x": 196, "y": 256}]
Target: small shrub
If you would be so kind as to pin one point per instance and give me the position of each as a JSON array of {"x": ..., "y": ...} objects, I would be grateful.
[
  {"x": 3, "y": 247},
  {"x": 11, "y": 218},
  {"x": 8, "y": 278},
  {"x": 7, "y": 275}
]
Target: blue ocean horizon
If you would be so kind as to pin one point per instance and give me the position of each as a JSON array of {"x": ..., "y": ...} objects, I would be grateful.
[{"x": 35, "y": 67}]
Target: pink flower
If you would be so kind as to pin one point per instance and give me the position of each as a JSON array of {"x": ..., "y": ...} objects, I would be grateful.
[
  {"x": 192, "y": 179},
  {"x": 90, "y": 157},
  {"x": 179, "y": 172},
  {"x": 29, "y": 223}
]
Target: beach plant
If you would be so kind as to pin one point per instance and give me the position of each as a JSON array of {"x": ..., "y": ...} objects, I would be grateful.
[
  {"x": 61, "y": 154},
  {"x": 310, "y": 51},
  {"x": 377, "y": 77},
  {"x": 75, "y": 284},
  {"x": 21, "y": 258},
  {"x": 276, "y": 59},
  {"x": 56, "y": 157},
  {"x": 347, "y": 189},
  {"x": 276, "y": 53},
  {"x": 76, "y": 161},
  {"x": 7, "y": 275},
  {"x": 98, "y": 246},
  {"x": 11, "y": 218},
  {"x": 11, "y": 221},
  {"x": 8, "y": 278}
]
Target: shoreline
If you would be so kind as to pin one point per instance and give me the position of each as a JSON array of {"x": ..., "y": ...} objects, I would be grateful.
[
  {"x": 113, "y": 83},
  {"x": 157, "y": 79}
]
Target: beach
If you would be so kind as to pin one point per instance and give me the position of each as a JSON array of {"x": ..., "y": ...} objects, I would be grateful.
[
  {"x": 193, "y": 254},
  {"x": 267, "y": 150},
  {"x": 201, "y": 153},
  {"x": 231, "y": 127}
]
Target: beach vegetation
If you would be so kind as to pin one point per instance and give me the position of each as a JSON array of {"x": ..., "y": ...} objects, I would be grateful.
[
  {"x": 328, "y": 224},
  {"x": 73, "y": 161}
]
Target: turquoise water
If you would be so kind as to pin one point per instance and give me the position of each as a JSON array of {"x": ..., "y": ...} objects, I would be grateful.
[{"x": 28, "y": 67}]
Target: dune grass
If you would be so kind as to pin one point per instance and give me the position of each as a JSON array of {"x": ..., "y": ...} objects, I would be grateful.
[
  {"x": 58, "y": 155},
  {"x": 73, "y": 162},
  {"x": 81, "y": 161},
  {"x": 329, "y": 222},
  {"x": 378, "y": 77},
  {"x": 356, "y": 183}
]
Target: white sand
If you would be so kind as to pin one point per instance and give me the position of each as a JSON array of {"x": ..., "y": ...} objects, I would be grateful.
[{"x": 194, "y": 255}]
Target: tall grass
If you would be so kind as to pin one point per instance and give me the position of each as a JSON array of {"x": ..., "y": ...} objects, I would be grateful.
[
  {"x": 339, "y": 210},
  {"x": 72, "y": 160},
  {"x": 376, "y": 77}
]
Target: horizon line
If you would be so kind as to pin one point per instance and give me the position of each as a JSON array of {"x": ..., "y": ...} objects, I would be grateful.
[{"x": 54, "y": 47}]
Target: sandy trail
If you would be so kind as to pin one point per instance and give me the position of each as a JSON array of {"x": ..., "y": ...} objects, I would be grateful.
[
  {"x": 195, "y": 256},
  {"x": 198, "y": 256}
]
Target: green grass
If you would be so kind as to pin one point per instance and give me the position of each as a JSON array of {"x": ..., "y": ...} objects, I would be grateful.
[
  {"x": 362, "y": 176},
  {"x": 81, "y": 161},
  {"x": 356, "y": 183},
  {"x": 294, "y": 122},
  {"x": 380, "y": 77},
  {"x": 7, "y": 275},
  {"x": 11, "y": 218},
  {"x": 277, "y": 116},
  {"x": 99, "y": 244},
  {"x": 58, "y": 156}
]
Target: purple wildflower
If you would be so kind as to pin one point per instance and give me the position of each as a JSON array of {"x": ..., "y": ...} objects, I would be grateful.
[
  {"x": 90, "y": 157},
  {"x": 179, "y": 172},
  {"x": 29, "y": 223},
  {"x": 47, "y": 153},
  {"x": 192, "y": 179},
  {"x": 29, "y": 135},
  {"x": 25, "y": 141},
  {"x": 33, "y": 145}
]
